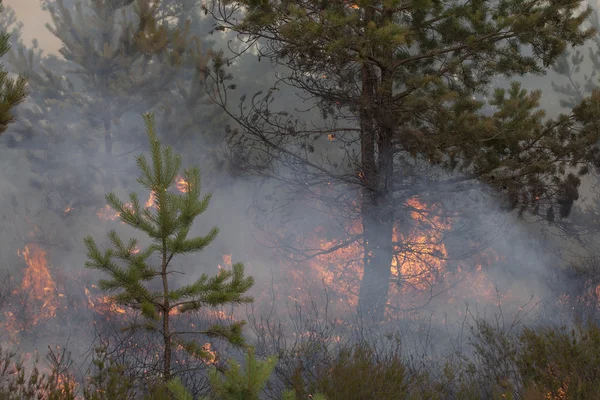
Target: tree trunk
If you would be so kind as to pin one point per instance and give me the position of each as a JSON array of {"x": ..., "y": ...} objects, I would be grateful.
[
  {"x": 108, "y": 147},
  {"x": 378, "y": 226},
  {"x": 166, "y": 328},
  {"x": 377, "y": 155},
  {"x": 378, "y": 123}
]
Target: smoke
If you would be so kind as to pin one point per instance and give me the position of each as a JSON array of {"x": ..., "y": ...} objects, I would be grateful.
[{"x": 481, "y": 261}]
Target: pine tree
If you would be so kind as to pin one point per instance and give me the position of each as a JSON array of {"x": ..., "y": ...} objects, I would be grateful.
[
  {"x": 193, "y": 122},
  {"x": 168, "y": 228},
  {"x": 577, "y": 70},
  {"x": 12, "y": 91},
  {"x": 90, "y": 90},
  {"x": 397, "y": 83},
  {"x": 120, "y": 59},
  {"x": 579, "y": 80},
  {"x": 117, "y": 61},
  {"x": 113, "y": 44}
]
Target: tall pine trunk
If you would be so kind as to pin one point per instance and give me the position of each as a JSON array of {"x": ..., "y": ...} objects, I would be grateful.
[
  {"x": 376, "y": 209},
  {"x": 377, "y": 238}
]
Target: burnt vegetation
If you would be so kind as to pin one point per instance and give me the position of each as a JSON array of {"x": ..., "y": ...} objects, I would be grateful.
[{"x": 307, "y": 199}]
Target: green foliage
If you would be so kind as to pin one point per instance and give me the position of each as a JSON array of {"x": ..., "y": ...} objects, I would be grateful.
[
  {"x": 117, "y": 60},
  {"x": 238, "y": 384},
  {"x": 12, "y": 92},
  {"x": 18, "y": 382},
  {"x": 359, "y": 373},
  {"x": 562, "y": 363},
  {"x": 548, "y": 363},
  {"x": 577, "y": 81},
  {"x": 401, "y": 88},
  {"x": 110, "y": 381},
  {"x": 492, "y": 366},
  {"x": 168, "y": 227}
]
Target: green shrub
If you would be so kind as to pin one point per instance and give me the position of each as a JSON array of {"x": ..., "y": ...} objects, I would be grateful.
[
  {"x": 18, "y": 384},
  {"x": 358, "y": 373},
  {"x": 561, "y": 364},
  {"x": 237, "y": 383}
]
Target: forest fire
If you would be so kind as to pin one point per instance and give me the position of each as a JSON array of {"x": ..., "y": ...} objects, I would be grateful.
[
  {"x": 420, "y": 267},
  {"x": 108, "y": 214},
  {"x": 37, "y": 299},
  {"x": 103, "y": 304},
  {"x": 212, "y": 354},
  {"x": 181, "y": 184},
  {"x": 38, "y": 283},
  {"x": 418, "y": 175},
  {"x": 421, "y": 263},
  {"x": 150, "y": 202}
]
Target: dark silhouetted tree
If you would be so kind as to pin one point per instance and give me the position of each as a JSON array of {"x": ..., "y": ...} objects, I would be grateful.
[{"x": 396, "y": 84}]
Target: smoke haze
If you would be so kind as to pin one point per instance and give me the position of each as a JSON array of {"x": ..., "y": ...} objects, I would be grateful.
[{"x": 56, "y": 206}]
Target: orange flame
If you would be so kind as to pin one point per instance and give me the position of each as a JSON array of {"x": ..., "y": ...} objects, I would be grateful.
[
  {"x": 341, "y": 270},
  {"x": 419, "y": 266},
  {"x": 103, "y": 304},
  {"x": 65, "y": 381},
  {"x": 181, "y": 184},
  {"x": 211, "y": 354},
  {"x": 150, "y": 202},
  {"x": 38, "y": 282},
  {"x": 108, "y": 214}
]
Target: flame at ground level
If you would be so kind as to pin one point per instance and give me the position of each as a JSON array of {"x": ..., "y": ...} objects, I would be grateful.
[
  {"x": 415, "y": 267},
  {"x": 419, "y": 271},
  {"x": 38, "y": 283}
]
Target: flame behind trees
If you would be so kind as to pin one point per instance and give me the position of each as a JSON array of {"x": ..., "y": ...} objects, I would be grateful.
[
  {"x": 168, "y": 226},
  {"x": 397, "y": 86}
]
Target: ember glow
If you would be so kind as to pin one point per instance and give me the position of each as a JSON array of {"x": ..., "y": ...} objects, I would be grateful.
[
  {"x": 150, "y": 202},
  {"x": 419, "y": 267},
  {"x": 67, "y": 381}
]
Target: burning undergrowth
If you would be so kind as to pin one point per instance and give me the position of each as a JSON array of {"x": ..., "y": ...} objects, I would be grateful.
[
  {"x": 419, "y": 272},
  {"x": 425, "y": 273},
  {"x": 46, "y": 303},
  {"x": 314, "y": 298},
  {"x": 425, "y": 278},
  {"x": 47, "y": 307}
]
